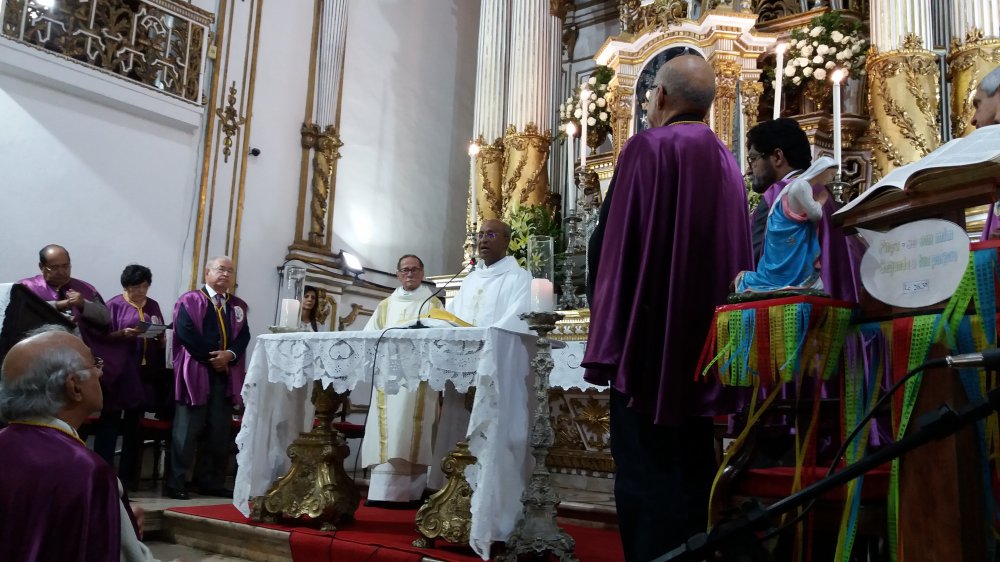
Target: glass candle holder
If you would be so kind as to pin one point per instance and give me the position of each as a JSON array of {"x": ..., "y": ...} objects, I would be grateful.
[
  {"x": 293, "y": 281},
  {"x": 541, "y": 264}
]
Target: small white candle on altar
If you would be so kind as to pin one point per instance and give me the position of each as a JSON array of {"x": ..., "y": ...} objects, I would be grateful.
[
  {"x": 473, "y": 211},
  {"x": 288, "y": 315},
  {"x": 570, "y": 184},
  {"x": 542, "y": 296},
  {"x": 837, "y": 77},
  {"x": 584, "y": 116},
  {"x": 779, "y": 75}
]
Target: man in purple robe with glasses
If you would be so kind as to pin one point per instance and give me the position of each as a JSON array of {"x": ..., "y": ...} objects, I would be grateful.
[
  {"x": 75, "y": 298},
  {"x": 675, "y": 232}
]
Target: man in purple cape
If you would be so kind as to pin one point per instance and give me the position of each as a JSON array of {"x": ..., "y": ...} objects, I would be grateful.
[
  {"x": 987, "y": 104},
  {"x": 777, "y": 152},
  {"x": 676, "y": 232},
  {"x": 58, "y": 500},
  {"x": 73, "y": 297},
  {"x": 210, "y": 342}
]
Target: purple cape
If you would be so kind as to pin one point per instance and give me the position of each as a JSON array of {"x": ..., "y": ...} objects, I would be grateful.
[
  {"x": 123, "y": 388},
  {"x": 840, "y": 255},
  {"x": 677, "y": 233},
  {"x": 190, "y": 376},
  {"x": 58, "y": 500}
]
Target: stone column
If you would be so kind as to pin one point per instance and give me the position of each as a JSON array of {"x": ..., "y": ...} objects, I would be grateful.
[
  {"x": 973, "y": 54},
  {"x": 488, "y": 121},
  {"x": 322, "y": 136},
  {"x": 527, "y": 139},
  {"x": 903, "y": 90}
]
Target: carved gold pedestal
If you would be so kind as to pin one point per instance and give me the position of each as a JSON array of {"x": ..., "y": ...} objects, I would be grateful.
[
  {"x": 526, "y": 158},
  {"x": 968, "y": 63},
  {"x": 316, "y": 487},
  {"x": 448, "y": 513}
]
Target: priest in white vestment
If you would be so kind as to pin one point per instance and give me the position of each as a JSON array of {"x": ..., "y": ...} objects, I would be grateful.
[
  {"x": 399, "y": 426},
  {"x": 495, "y": 294}
]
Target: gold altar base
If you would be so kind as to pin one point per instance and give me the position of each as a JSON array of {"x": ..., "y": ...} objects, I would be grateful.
[
  {"x": 968, "y": 63},
  {"x": 525, "y": 178},
  {"x": 316, "y": 488},
  {"x": 903, "y": 100},
  {"x": 489, "y": 180},
  {"x": 448, "y": 513}
]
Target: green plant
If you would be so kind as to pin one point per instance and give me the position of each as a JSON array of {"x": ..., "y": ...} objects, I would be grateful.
[{"x": 532, "y": 220}]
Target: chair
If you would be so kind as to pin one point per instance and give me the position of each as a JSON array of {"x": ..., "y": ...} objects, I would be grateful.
[{"x": 157, "y": 433}]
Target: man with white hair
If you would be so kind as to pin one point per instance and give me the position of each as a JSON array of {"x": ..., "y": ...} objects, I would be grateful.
[
  {"x": 58, "y": 499},
  {"x": 987, "y": 105}
]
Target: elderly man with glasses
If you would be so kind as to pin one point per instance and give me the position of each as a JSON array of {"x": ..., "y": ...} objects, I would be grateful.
[
  {"x": 209, "y": 348},
  {"x": 58, "y": 500},
  {"x": 76, "y": 299},
  {"x": 399, "y": 426}
]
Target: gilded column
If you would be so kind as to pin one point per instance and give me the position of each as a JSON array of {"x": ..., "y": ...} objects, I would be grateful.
[
  {"x": 727, "y": 73},
  {"x": 529, "y": 103},
  {"x": 322, "y": 136},
  {"x": 903, "y": 87},
  {"x": 973, "y": 53},
  {"x": 488, "y": 121}
]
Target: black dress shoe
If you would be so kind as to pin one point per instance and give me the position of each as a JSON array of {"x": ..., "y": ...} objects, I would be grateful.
[
  {"x": 216, "y": 492},
  {"x": 176, "y": 494}
]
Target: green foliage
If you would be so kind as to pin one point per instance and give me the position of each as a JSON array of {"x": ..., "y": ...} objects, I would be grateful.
[
  {"x": 532, "y": 220},
  {"x": 829, "y": 42}
]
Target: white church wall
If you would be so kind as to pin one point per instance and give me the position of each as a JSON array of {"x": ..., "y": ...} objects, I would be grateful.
[
  {"x": 97, "y": 164},
  {"x": 409, "y": 87}
]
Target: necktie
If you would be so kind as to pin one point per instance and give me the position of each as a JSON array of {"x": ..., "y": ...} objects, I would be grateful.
[{"x": 219, "y": 303}]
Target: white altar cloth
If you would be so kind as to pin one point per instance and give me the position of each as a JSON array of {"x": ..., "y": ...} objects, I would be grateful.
[
  {"x": 493, "y": 360},
  {"x": 566, "y": 371}
]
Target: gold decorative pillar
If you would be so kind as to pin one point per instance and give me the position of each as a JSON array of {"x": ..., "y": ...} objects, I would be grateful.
[
  {"x": 622, "y": 98},
  {"x": 727, "y": 73},
  {"x": 903, "y": 98},
  {"x": 750, "y": 93},
  {"x": 526, "y": 159},
  {"x": 489, "y": 179},
  {"x": 326, "y": 151},
  {"x": 968, "y": 63}
]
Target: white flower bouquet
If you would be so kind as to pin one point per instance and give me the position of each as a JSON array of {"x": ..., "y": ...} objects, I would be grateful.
[
  {"x": 597, "y": 111},
  {"x": 829, "y": 42}
]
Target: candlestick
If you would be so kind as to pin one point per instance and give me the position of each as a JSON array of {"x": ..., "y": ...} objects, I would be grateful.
[
  {"x": 837, "y": 77},
  {"x": 473, "y": 211},
  {"x": 289, "y": 316},
  {"x": 570, "y": 183},
  {"x": 779, "y": 74},
  {"x": 584, "y": 115}
]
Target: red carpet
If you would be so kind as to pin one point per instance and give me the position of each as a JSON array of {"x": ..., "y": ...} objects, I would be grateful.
[{"x": 384, "y": 535}]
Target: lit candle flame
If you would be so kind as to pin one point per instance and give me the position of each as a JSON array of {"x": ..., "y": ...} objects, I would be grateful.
[
  {"x": 473, "y": 149},
  {"x": 570, "y": 129},
  {"x": 838, "y": 76}
]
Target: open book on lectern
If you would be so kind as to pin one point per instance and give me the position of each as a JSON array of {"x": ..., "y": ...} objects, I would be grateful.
[
  {"x": 439, "y": 318},
  {"x": 970, "y": 159}
]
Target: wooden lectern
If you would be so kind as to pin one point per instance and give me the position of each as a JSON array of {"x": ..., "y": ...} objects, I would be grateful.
[
  {"x": 25, "y": 313},
  {"x": 941, "y": 511}
]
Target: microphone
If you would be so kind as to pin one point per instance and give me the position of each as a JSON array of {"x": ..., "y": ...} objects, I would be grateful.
[
  {"x": 987, "y": 359},
  {"x": 419, "y": 324}
]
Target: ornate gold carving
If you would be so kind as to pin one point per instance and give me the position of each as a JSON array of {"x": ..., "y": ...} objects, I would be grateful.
[
  {"x": 448, "y": 513},
  {"x": 903, "y": 102},
  {"x": 316, "y": 486},
  {"x": 750, "y": 93},
  {"x": 489, "y": 179},
  {"x": 727, "y": 72},
  {"x": 230, "y": 121},
  {"x": 661, "y": 14},
  {"x": 325, "y": 306},
  {"x": 525, "y": 178},
  {"x": 352, "y": 316},
  {"x": 327, "y": 151},
  {"x": 157, "y": 43},
  {"x": 620, "y": 108},
  {"x": 560, "y": 8},
  {"x": 967, "y": 64},
  {"x": 912, "y": 42},
  {"x": 573, "y": 326},
  {"x": 582, "y": 431}
]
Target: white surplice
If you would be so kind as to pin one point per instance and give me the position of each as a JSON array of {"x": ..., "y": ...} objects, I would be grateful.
[
  {"x": 493, "y": 295},
  {"x": 399, "y": 426}
]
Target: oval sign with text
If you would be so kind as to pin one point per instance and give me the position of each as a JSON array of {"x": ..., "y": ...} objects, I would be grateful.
[{"x": 917, "y": 264}]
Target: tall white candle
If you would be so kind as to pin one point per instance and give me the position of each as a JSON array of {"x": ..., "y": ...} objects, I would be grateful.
[
  {"x": 542, "y": 297},
  {"x": 837, "y": 77},
  {"x": 473, "y": 211},
  {"x": 584, "y": 115},
  {"x": 570, "y": 184},
  {"x": 779, "y": 75},
  {"x": 288, "y": 316}
]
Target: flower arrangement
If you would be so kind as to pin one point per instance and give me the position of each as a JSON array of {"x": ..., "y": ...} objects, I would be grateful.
[
  {"x": 829, "y": 42},
  {"x": 527, "y": 220},
  {"x": 598, "y": 114}
]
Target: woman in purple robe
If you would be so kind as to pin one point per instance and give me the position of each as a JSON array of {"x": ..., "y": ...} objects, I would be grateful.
[{"x": 129, "y": 386}]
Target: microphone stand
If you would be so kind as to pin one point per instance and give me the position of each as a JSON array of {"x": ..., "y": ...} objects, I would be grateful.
[
  {"x": 420, "y": 325},
  {"x": 736, "y": 540}
]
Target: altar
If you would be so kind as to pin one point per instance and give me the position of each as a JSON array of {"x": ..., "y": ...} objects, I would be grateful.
[{"x": 492, "y": 360}]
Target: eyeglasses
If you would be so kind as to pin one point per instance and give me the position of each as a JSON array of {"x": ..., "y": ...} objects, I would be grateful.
[
  {"x": 56, "y": 267},
  {"x": 751, "y": 158},
  {"x": 223, "y": 270},
  {"x": 489, "y": 235},
  {"x": 98, "y": 364},
  {"x": 408, "y": 270}
]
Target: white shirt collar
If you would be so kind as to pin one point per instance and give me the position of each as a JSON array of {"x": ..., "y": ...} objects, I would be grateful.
[
  {"x": 212, "y": 292},
  {"x": 790, "y": 174}
]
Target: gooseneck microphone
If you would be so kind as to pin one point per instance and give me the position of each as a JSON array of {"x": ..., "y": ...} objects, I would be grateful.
[
  {"x": 987, "y": 359},
  {"x": 418, "y": 324}
]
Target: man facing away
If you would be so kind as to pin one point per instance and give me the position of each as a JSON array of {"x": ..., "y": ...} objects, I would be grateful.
[
  {"x": 210, "y": 341},
  {"x": 677, "y": 231},
  {"x": 58, "y": 499},
  {"x": 75, "y": 298},
  {"x": 778, "y": 151},
  {"x": 987, "y": 104},
  {"x": 399, "y": 426}
]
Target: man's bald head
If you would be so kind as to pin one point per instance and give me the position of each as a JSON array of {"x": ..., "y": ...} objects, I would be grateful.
[
  {"x": 494, "y": 237},
  {"x": 684, "y": 84}
]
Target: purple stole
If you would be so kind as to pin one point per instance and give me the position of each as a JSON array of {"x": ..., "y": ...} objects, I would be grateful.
[
  {"x": 840, "y": 255},
  {"x": 191, "y": 378}
]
